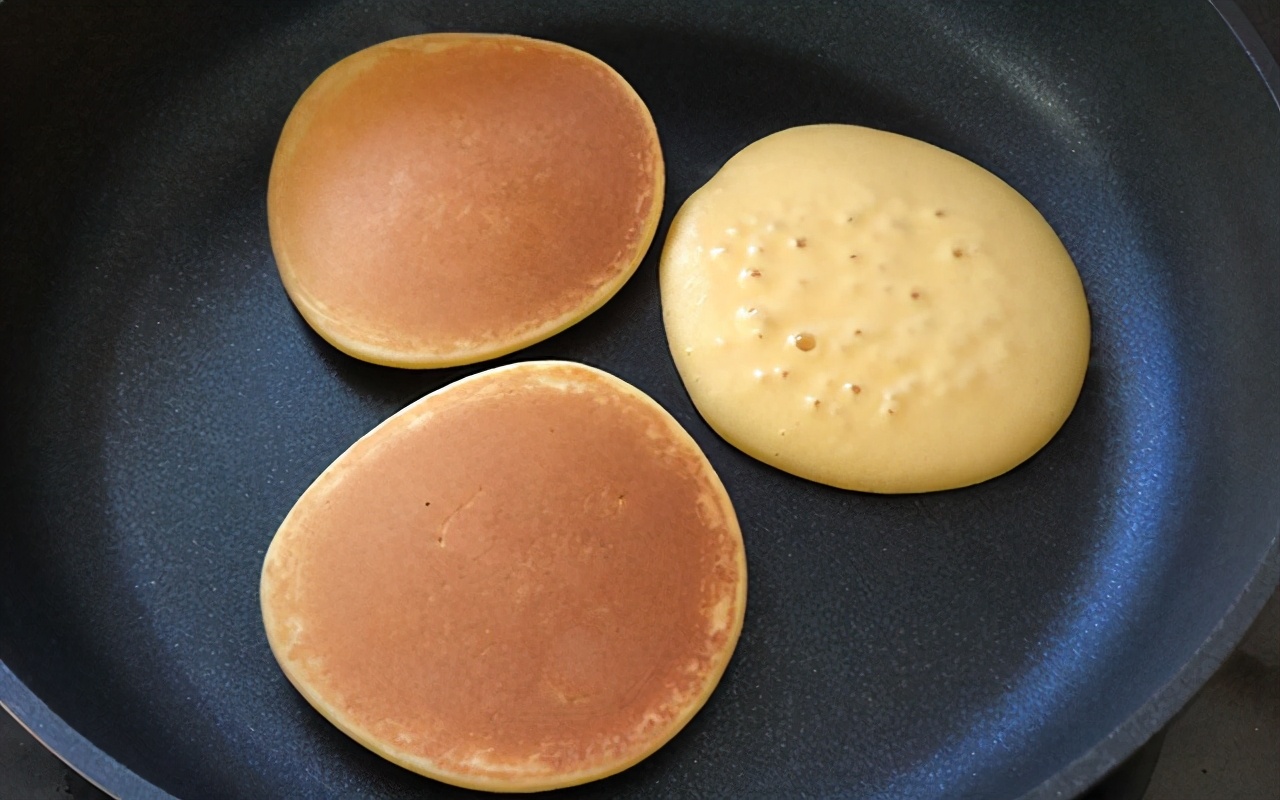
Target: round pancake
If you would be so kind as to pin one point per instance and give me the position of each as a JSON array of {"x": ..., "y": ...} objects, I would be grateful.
[
  {"x": 529, "y": 579},
  {"x": 868, "y": 311},
  {"x": 447, "y": 198}
]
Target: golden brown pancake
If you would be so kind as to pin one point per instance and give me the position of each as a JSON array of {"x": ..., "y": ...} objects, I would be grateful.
[
  {"x": 529, "y": 579},
  {"x": 446, "y": 198}
]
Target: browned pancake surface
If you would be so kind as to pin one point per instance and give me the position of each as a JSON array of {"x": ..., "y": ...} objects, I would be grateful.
[
  {"x": 449, "y": 197},
  {"x": 530, "y": 579}
]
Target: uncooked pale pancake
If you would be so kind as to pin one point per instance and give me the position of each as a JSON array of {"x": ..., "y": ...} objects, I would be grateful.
[
  {"x": 869, "y": 311},
  {"x": 447, "y": 198},
  {"x": 531, "y": 578}
]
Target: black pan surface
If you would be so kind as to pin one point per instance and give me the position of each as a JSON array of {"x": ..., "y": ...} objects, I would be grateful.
[{"x": 163, "y": 405}]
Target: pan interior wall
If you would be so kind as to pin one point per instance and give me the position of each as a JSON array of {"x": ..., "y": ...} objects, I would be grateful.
[{"x": 162, "y": 405}]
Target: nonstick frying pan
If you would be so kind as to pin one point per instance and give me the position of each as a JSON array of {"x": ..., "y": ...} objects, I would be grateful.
[{"x": 163, "y": 405}]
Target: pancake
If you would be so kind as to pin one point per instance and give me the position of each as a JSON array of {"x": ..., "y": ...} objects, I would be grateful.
[
  {"x": 872, "y": 312},
  {"x": 447, "y": 198},
  {"x": 529, "y": 579}
]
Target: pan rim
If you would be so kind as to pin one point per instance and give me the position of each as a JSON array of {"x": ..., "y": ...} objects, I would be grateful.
[
  {"x": 1152, "y": 716},
  {"x": 117, "y": 780},
  {"x": 73, "y": 748}
]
